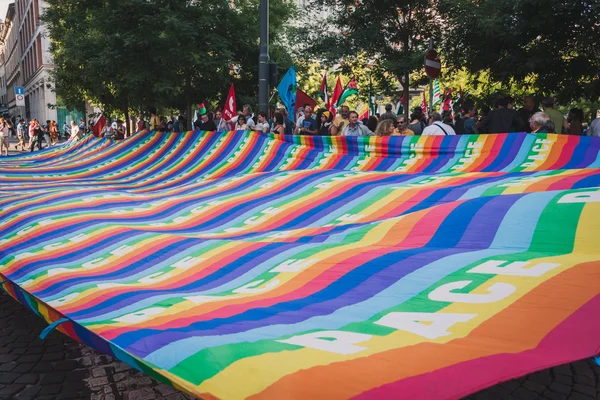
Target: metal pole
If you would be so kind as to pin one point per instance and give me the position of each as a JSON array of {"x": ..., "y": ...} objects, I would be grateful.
[
  {"x": 430, "y": 83},
  {"x": 263, "y": 59}
]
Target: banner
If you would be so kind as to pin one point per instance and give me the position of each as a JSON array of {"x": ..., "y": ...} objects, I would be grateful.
[
  {"x": 287, "y": 91},
  {"x": 247, "y": 265},
  {"x": 230, "y": 109}
]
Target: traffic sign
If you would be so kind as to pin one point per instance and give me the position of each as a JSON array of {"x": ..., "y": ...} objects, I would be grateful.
[
  {"x": 433, "y": 66},
  {"x": 19, "y": 90},
  {"x": 20, "y": 100}
]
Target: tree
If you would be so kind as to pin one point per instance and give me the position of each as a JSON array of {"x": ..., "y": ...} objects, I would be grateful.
[
  {"x": 131, "y": 54},
  {"x": 394, "y": 34},
  {"x": 551, "y": 43}
]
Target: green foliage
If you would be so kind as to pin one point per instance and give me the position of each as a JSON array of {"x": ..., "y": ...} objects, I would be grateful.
[
  {"x": 393, "y": 34},
  {"x": 551, "y": 44},
  {"x": 131, "y": 54}
]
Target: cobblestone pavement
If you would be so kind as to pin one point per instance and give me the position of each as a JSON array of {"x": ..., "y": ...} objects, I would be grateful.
[{"x": 59, "y": 368}]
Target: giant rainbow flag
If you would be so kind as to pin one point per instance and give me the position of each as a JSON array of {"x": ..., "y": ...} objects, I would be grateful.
[{"x": 243, "y": 265}]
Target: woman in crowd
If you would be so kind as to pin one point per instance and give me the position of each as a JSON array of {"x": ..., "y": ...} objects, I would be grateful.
[
  {"x": 278, "y": 126},
  {"x": 240, "y": 124},
  {"x": 263, "y": 124},
  {"x": 120, "y": 131},
  {"x": 4, "y": 132},
  {"x": 385, "y": 128},
  {"x": 326, "y": 124}
]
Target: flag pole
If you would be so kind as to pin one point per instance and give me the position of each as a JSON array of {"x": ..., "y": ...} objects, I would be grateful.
[{"x": 430, "y": 83}]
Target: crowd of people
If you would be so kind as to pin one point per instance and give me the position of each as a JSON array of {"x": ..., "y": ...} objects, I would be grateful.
[
  {"x": 503, "y": 118},
  {"x": 34, "y": 134}
]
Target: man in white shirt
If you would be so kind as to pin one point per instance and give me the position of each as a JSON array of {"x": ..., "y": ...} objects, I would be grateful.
[{"x": 437, "y": 127}]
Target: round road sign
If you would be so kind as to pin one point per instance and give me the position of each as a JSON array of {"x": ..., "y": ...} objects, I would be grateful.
[{"x": 433, "y": 66}]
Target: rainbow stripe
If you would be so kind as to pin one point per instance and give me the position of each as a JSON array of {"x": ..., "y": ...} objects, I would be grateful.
[{"x": 243, "y": 265}]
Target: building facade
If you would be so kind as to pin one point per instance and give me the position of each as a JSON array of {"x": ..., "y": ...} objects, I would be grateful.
[
  {"x": 35, "y": 61},
  {"x": 12, "y": 58}
]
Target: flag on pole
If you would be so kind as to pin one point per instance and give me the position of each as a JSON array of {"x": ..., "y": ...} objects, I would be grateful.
[
  {"x": 363, "y": 111},
  {"x": 448, "y": 101},
  {"x": 287, "y": 91},
  {"x": 400, "y": 106},
  {"x": 447, "y": 106},
  {"x": 99, "y": 125},
  {"x": 424, "y": 104},
  {"x": 372, "y": 107},
  {"x": 230, "y": 109},
  {"x": 303, "y": 99},
  {"x": 436, "y": 93},
  {"x": 323, "y": 91},
  {"x": 337, "y": 92},
  {"x": 351, "y": 89}
]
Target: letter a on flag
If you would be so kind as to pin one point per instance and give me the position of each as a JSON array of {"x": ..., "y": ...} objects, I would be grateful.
[{"x": 229, "y": 111}]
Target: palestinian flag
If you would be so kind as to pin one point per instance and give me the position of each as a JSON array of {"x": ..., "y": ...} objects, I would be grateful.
[
  {"x": 400, "y": 106},
  {"x": 323, "y": 91},
  {"x": 351, "y": 89}
]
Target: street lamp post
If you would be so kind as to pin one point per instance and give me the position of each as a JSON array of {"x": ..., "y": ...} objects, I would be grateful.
[{"x": 263, "y": 58}]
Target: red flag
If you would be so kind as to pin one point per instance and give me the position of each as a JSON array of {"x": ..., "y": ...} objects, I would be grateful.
[
  {"x": 424, "y": 105},
  {"x": 302, "y": 99},
  {"x": 337, "y": 92},
  {"x": 99, "y": 125},
  {"x": 447, "y": 100},
  {"x": 230, "y": 109}
]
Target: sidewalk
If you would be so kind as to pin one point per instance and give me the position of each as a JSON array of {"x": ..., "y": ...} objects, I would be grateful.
[{"x": 59, "y": 368}]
